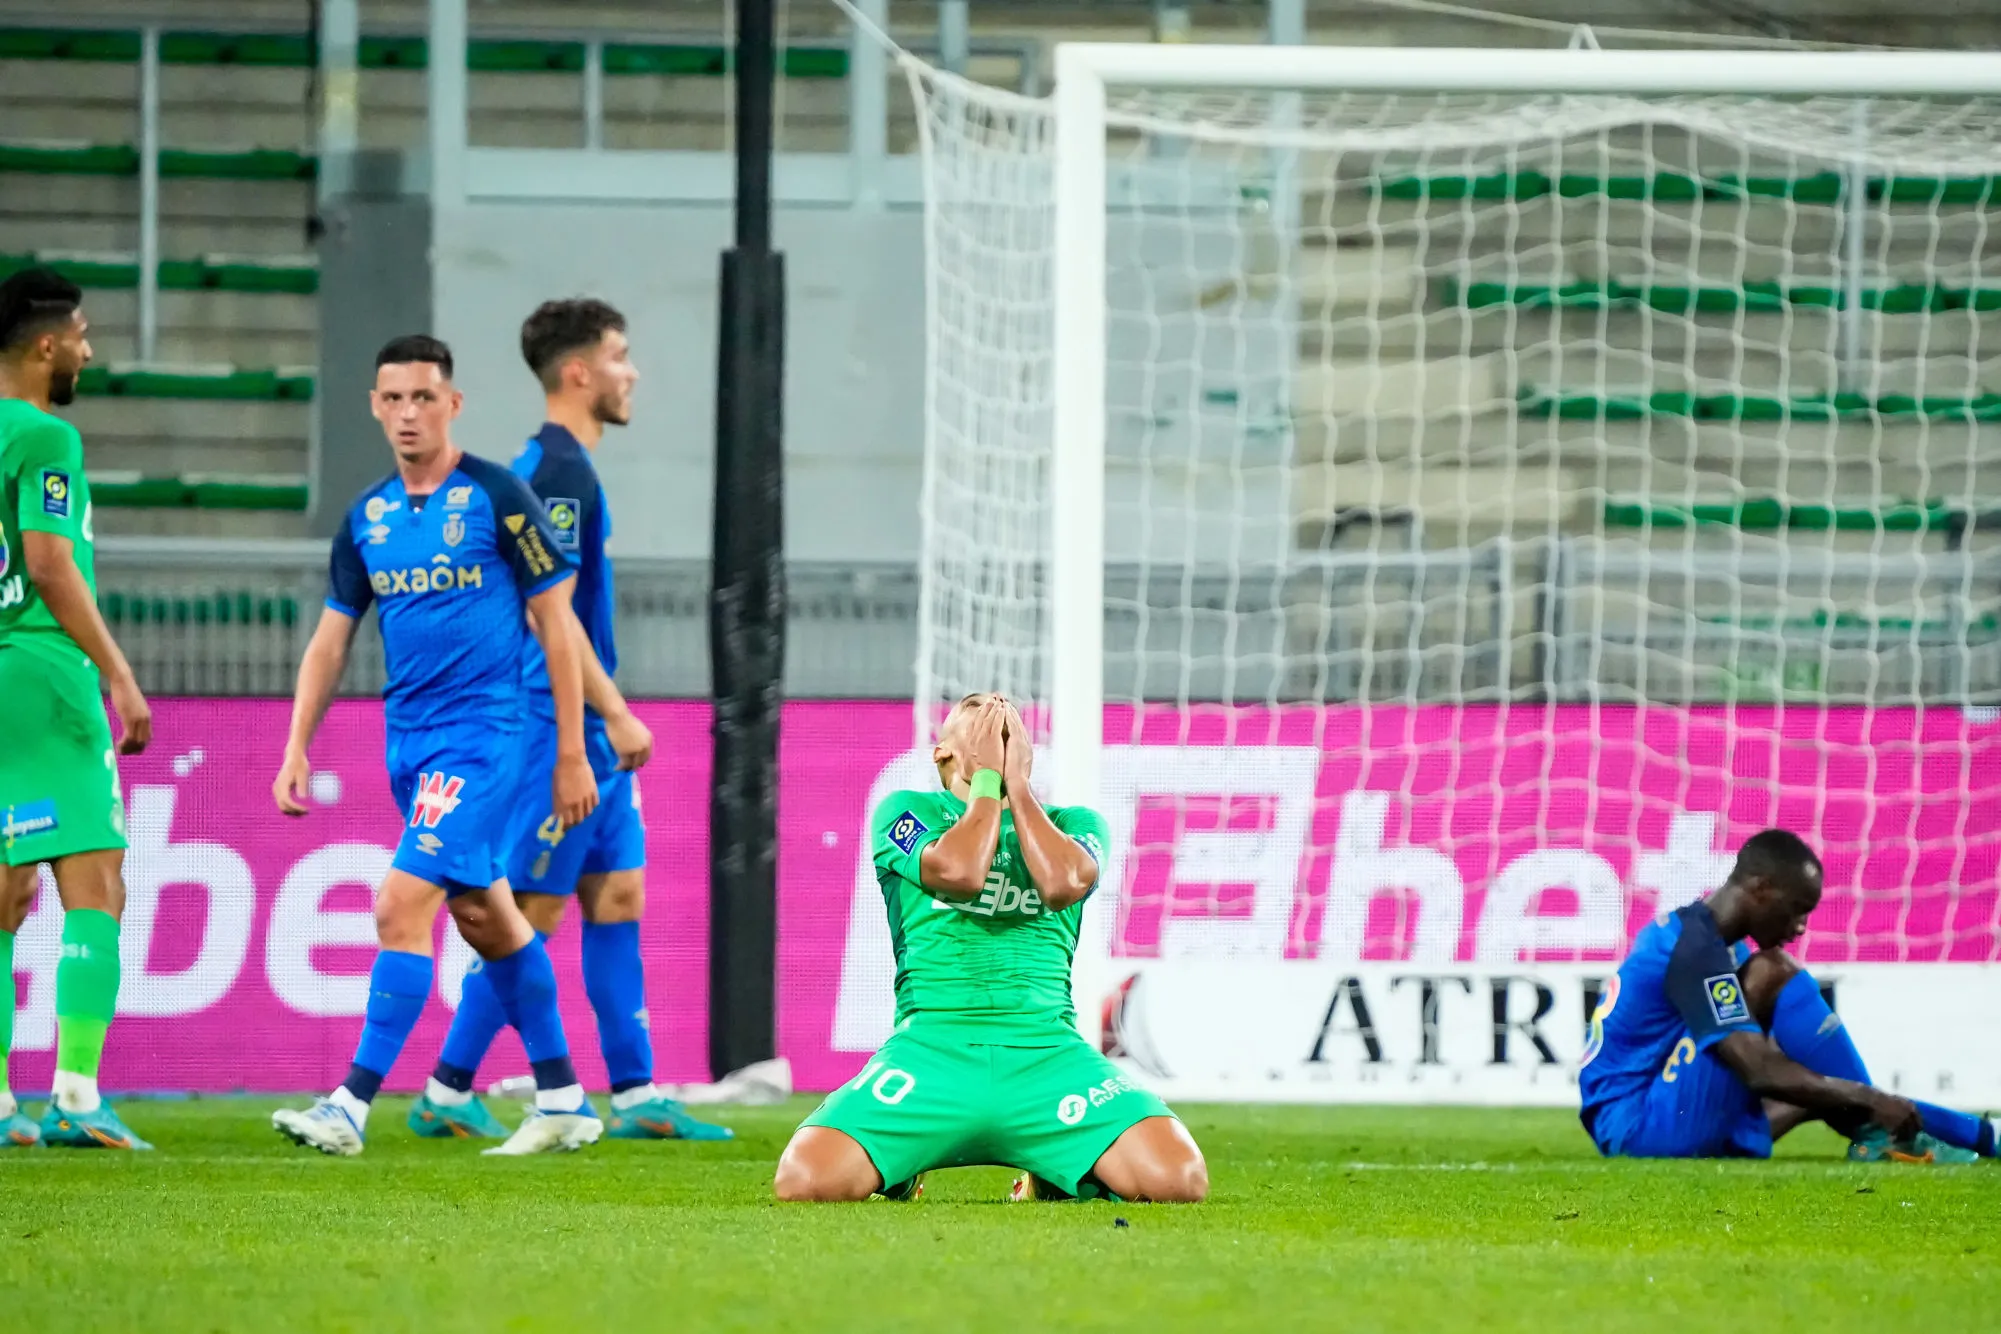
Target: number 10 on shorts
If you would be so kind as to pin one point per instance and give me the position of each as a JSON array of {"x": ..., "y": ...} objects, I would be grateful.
[{"x": 890, "y": 1084}]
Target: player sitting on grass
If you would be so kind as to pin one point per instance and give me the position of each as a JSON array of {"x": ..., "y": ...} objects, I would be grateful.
[
  {"x": 578, "y": 350},
  {"x": 985, "y": 890},
  {"x": 59, "y": 800},
  {"x": 1698, "y": 1052},
  {"x": 451, "y": 549}
]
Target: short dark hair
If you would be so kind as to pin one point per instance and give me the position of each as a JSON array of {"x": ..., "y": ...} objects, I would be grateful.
[
  {"x": 1775, "y": 854},
  {"x": 412, "y": 348},
  {"x": 560, "y": 329},
  {"x": 34, "y": 301}
]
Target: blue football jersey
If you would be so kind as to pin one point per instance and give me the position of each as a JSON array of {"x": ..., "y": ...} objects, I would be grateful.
[
  {"x": 450, "y": 574},
  {"x": 1680, "y": 982},
  {"x": 559, "y": 471}
]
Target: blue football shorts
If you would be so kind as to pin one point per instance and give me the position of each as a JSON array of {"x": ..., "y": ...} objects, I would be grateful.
[
  {"x": 458, "y": 789},
  {"x": 1696, "y": 1107},
  {"x": 545, "y": 858}
]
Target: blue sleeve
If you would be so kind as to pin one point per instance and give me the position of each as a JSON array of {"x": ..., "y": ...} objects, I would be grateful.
[
  {"x": 1702, "y": 984},
  {"x": 348, "y": 591},
  {"x": 521, "y": 530},
  {"x": 568, "y": 490}
]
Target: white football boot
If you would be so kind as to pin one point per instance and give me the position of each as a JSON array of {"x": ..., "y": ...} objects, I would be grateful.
[
  {"x": 325, "y": 1126},
  {"x": 550, "y": 1132}
]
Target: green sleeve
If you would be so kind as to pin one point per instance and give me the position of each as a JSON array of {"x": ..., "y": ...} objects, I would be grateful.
[
  {"x": 1087, "y": 827},
  {"x": 904, "y": 825},
  {"x": 51, "y": 461}
]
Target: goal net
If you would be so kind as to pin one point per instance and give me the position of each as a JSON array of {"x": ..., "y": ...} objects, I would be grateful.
[{"x": 1437, "y": 525}]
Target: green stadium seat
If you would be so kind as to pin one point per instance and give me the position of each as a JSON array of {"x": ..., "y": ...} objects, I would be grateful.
[
  {"x": 1535, "y": 401},
  {"x": 296, "y": 51},
  {"x": 207, "y": 274},
  {"x": 1823, "y": 188},
  {"x": 217, "y": 491},
  {"x": 222, "y": 383},
  {"x": 248, "y": 164},
  {"x": 222, "y": 608},
  {"x": 1769, "y": 513},
  {"x": 1718, "y": 299}
]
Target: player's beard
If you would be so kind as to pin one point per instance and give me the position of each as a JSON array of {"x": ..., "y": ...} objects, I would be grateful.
[
  {"x": 62, "y": 388},
  {"x": 610, "y": 410}
]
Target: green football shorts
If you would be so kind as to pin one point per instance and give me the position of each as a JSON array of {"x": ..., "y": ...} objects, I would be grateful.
[
  {"x": 58, "y": 773},
  {"x": 933, "y": 1099}
]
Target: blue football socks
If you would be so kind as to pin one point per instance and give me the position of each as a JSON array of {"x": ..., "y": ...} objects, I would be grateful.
[
  {"x": 524, "y": 982},
  {"x": 615, "y": 980},
  {"x": 477, "y": 1023},
  {"x": 1812, "y": 1034},
  {"x": 398, "y": 986}
]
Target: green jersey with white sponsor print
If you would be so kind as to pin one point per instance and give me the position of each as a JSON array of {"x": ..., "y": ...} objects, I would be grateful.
[
  {"x": 42, "y": 489},
  {"x": 997, "y": 964}
]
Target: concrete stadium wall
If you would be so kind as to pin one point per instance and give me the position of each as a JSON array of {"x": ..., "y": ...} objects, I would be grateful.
[{"x": 854, "y": 409}]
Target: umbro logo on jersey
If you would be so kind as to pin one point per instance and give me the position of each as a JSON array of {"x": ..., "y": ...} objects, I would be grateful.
[
  {"x": 437, "y": 797},
  {"x": 429, "y": 842}
]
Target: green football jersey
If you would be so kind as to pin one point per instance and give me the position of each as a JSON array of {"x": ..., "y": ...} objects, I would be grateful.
[
  {"x": 42, "y": 489},
  {"x": 998, "y": 964}
]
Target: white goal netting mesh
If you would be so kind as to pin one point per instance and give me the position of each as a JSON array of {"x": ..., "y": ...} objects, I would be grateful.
[{"x": 1511, "y": 505}]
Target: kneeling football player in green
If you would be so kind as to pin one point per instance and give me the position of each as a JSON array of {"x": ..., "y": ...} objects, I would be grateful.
[{"x": 985, "y": 889}]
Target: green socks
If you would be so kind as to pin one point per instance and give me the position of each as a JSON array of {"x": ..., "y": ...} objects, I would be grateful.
[{"x": 86, "y": 990}]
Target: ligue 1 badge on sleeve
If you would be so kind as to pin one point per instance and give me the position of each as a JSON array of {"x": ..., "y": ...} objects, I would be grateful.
[{"x": 455, "y": 529}]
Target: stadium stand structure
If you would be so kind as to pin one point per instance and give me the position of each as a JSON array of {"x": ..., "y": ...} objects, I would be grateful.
[{"x": 212, "y": 439}]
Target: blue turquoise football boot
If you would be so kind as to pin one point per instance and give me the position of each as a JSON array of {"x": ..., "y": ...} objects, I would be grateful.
[
  {"x": 1874, "y": 1145},
  {"x": 18, "y": 1132},
  {"x": 661, "y": 1118},
  {"x": 100, "y": 1129},
  {"x": 467, "y": 1120}
]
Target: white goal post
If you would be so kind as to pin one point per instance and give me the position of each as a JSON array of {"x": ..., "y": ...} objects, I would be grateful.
[
  {"x": 1440, "y": 502},
  {"x": 1084, "y": 73}
]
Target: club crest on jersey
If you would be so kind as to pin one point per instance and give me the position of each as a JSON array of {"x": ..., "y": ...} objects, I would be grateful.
[
  {"x": 55, "y": 492},
  {"x": 1726, "y": 999},
  {"x": 906, "y": 831},
  {"x": 455, "y": 529},
  {"x": 563, "y": 517},
  {"x": 458, "y": 497},
  {"x": 437, "y": 797}
]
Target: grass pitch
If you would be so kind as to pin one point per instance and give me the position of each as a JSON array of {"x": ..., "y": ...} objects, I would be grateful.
[{"x": 1321, "y": 1218}]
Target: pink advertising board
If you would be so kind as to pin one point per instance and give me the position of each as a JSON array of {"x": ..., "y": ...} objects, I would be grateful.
[{"x": 1382, "y": 833}]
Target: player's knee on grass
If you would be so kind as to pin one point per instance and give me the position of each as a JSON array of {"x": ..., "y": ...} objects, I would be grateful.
[
  {"x": 543, "y": 911},
  {"x": 616, "y": 896},
  {"x": 93, "y": 880},
  {"x": 824, "y": 1166},
  {"x": 1156, "y": 1160},
  {"x": 1763, "y": 976}
]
